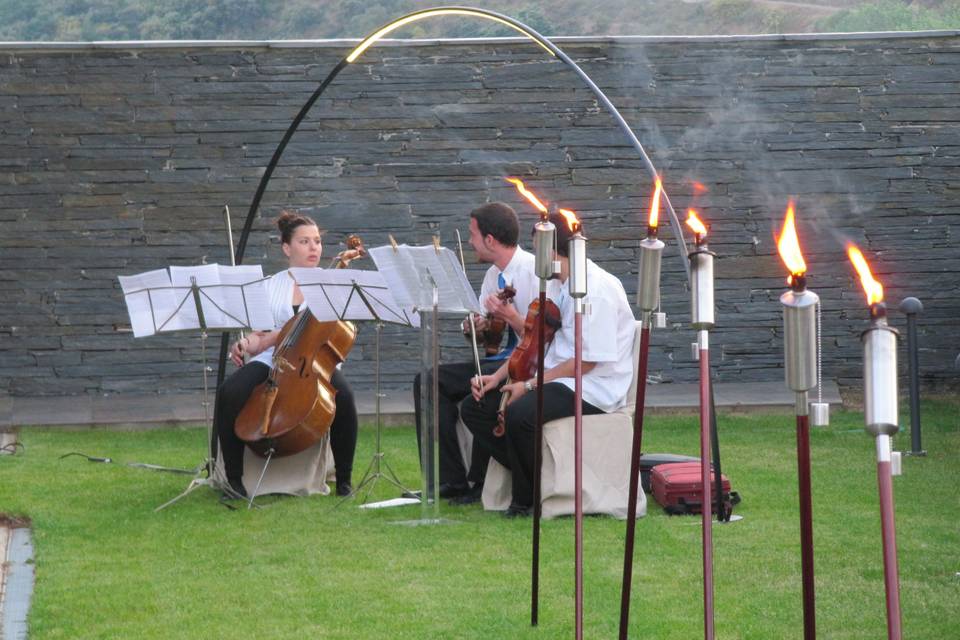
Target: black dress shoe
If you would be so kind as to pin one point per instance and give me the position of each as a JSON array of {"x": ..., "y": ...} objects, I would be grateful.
[
  {"x": 470, "y": 497},
  {"x": 237, "y": 489},
  {"x": 517, "y": 511},
  {"x": 451, "y": 490},
  {"x": 344, "y": 489}
]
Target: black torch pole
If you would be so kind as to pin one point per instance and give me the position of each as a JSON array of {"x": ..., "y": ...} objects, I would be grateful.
[
  {"x": 544, "y": 247},
  {"x": 911, "y": 307}
]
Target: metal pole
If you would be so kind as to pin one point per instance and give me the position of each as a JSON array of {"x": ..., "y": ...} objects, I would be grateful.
[
  {"x": 634, "y": 475},
  {"x": 706, "y": 519},
  {"x": 578, "y": 464},
  {"x": 911, "y": 307},
  {"x": 806, "y": 517},
  {"x": 538, "y": 463},
  {"x": 891, "y": 570}
]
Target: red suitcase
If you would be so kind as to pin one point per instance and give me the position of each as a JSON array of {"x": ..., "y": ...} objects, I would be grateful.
[{"x": 677, "y": 487}]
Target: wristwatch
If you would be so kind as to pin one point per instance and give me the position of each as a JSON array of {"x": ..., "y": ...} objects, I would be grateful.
[{"x": 528, "y": 385}]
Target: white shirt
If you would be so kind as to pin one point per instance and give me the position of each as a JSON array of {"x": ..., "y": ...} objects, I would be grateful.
[
  {"x": 520, "y": 273},
  {"x": 280, "y": 289},
  {"x": 608, "y": 335}
]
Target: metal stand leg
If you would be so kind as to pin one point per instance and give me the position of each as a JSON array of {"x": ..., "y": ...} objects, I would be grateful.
[
  {"x": 263, "y": 472},
  {"x": 375, "y": 470},
  {"x": 207, "y": 464}
]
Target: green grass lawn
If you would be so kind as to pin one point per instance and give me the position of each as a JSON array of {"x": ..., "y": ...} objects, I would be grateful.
[{"x": 109, "y": 567}]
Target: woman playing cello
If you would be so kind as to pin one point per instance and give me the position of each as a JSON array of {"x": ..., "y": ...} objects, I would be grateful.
[{"x": 301, "y": 244}]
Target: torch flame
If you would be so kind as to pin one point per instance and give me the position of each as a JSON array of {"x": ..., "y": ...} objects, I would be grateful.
[
  {"x": 571, "y": 219},
  {"x": 871, "y": 287},
  {"x": 527, "y": 194},
  {"x": 655, "y": 205},
  {"x": 788, "y": 244},
  {"x": 694, "y": 223}
]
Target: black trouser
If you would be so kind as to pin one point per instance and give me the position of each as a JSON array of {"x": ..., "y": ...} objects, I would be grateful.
[
  {"x": 515, "y": 449},
  {"x": 233, "y": 394},
  {"x": 453, "y": 381}
]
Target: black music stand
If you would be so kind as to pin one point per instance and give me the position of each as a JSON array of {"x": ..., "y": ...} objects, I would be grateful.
[
  {"x": 196, "y": 298},
  {"x": 349, "y": 294}
]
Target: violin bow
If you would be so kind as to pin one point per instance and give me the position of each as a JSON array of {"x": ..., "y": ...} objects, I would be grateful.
[{"x": 473, "y": 326}]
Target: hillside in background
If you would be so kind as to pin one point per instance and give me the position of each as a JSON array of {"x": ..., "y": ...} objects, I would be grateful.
[{"x": 70, "y": 20}]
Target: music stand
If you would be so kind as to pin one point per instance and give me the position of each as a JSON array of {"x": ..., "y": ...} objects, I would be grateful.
[
  {"x": 349, "y": 294},
  {"x": 195, "y": 298},
  {"x": 430, "y": 280}
]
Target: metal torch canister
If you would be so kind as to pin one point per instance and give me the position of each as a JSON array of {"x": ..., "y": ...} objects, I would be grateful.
[
  {"x": 880, "y": 378},
  {"x": 800, "y": 339},
  {"x": 544, "y": 243},
  {"x": 648, "y": 284},
  {"x": 701, "y": 288},
  {"x": 578, "y": 265}
]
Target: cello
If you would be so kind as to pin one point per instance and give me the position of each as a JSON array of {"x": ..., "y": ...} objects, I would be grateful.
[
  {"x": 525, "y": 358},
  {"x": 294, "y": 408}
]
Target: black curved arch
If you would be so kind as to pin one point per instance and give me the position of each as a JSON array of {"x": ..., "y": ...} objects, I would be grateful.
[{"x": 368, "y": 41}]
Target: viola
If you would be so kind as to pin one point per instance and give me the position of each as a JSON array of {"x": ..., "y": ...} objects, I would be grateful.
[
  {"x": 294, "y": 408},
  {"x": 525, "y": 358},
  {"x": 492, "y": 335}
]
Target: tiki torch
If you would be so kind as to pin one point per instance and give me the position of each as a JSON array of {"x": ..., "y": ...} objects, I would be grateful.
[
  {"x": 544, "y": 244},
  {"x": 881, "y": 420},
  {"x": 701, "y": 319},
  {"x": 648, "y": 299},
  {"x": 800, "y": 368},
  {"x": 577, "y": 286}
]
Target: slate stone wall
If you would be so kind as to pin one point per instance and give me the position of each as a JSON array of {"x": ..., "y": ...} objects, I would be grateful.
[{"x": 119, "y": 159}]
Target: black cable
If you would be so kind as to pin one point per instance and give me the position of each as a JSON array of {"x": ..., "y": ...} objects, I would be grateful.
[
  {"x": 83, "y": 455},
  {"x": 12, "y": 447}
]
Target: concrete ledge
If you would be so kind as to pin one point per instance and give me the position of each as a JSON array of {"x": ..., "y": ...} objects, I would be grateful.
[
  {"x": 153, "y": 411},
  {"x": 345, "y": 43}
]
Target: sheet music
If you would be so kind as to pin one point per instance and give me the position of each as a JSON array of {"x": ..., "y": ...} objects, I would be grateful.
[
  {"x": 456, "y": 294},
  {"x": 251, "y": 295},
  {"x": 230, "y": 297},
  {"x": 398, "y": 271},
  {"x": 206, "y": 276},
  {"x": 350, "y": 294},
  {"x": 140, "y": 302}
]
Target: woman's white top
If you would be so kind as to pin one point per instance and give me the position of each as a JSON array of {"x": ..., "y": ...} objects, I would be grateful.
[{"x": 280, "y": 288}]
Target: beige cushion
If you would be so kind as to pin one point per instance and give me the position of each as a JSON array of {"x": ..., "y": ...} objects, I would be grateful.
[
  {"x": 303, "y": 474},
  {"x": 607, "y": 442}
]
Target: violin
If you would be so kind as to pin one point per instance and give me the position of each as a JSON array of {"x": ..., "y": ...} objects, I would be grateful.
[
  {"x": 492, "y": 334},
  {"x": 525, "y": 358},
  {"x": 294, "y": 408}
]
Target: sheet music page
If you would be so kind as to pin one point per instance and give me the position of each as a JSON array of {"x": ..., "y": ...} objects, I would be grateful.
[
  {"x": 207, "y": 275},
  {"x": 248, "y": 303},
  {"x": 335, "y": 293},
  {"x": 141, "y": 304},
  {"x": 452, "y": 283},
  {"x": 398, "y": 271},
  {"x": 456, "y": 274},
  {"x": 321, "y": 298}
]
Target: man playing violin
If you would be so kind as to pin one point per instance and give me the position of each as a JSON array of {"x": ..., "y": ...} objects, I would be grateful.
[
  {"x": 608, "y": 335},
  {"x": 494, "y": 234}
]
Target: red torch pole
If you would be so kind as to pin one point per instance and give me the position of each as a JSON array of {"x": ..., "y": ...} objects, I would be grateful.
[
  {"x": 801, "y": 373},
  {"x": 702, "y": 319},
  {"x": 881, "y": 420},
  {"x": 577, "y": 284},
  {"x": 648, "y": 299}
]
